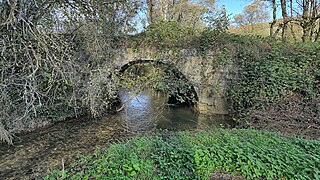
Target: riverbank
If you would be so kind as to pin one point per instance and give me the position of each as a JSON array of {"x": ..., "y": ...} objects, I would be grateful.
[
  {"x": 238, "y": 153},
  {"x": 290, "y": 115}
]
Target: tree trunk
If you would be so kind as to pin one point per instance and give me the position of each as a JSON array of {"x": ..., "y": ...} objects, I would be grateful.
[
  {"x": 150, "y": 11},
  {"x": 309, "y": 18},
  {"x": 161, "y": 9},
  {"x": 291, "y": 23},
  {"x": 314, "y": 7},
  {"x": 277, "y": 31},
  {"x": 312, "y": 16},
  {"x": 318, "y": 14},
  {"x": 274, "y": 16},
  {"x": 285, "y": 19},
  {"x": 164, "y": 5},
  {"x": 305, "y": 21},
  {"x": 251, "y": 27},
  {"x": 317, "y": 34},
  {"x": 166, "y": 10},
  {"x": 291, "y": 9},
  {"x": 292, "y": 32}
]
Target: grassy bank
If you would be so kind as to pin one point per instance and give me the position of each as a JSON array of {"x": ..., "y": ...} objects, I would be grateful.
[{"x": 239, "y": 153}]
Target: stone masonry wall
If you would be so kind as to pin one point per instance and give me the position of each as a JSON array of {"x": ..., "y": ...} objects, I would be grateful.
[{"x": 209, "y": 79}]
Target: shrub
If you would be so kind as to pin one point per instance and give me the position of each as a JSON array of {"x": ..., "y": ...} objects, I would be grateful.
[{"x": 168, "y": 34}]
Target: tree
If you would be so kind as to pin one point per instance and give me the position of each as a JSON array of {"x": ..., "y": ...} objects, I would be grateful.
[
  {"x": 253, "y": 13},
  {"x": 285, "y": 19},
  {"x": 150, "y": 4},
  {"x": 308, "y": 19},
  {"x": 292, "y": 22},
  {"x": 186, "y": 12},
  {"x": 274, "y": 16},
  {"x": 304, "y": 13},
  {"x": 217, "y": 18}
]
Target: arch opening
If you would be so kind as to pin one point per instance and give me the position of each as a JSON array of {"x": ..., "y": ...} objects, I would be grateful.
[{"x": 160, "y": 76}]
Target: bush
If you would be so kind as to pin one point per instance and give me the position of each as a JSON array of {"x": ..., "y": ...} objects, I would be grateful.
[{"x": 168, "y": 34}]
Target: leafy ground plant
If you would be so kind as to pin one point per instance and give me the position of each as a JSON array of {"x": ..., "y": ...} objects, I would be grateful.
[{"x": 249, "y": 153}]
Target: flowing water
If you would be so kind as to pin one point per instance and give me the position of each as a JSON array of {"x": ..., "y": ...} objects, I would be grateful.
[{"x": 34, "y": 154}]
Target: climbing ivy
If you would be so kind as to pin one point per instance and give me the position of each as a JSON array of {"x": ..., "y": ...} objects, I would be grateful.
[{"x": 265, "y": 76}]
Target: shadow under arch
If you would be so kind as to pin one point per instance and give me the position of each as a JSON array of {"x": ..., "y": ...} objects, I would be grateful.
[{"x": 190, "y": 97}]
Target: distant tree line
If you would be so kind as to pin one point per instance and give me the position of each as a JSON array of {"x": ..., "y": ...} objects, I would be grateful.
[{"x": 194, "y": 13}]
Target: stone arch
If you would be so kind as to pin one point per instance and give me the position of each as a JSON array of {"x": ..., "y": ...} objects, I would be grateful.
[{"x": 171, "y": 67}]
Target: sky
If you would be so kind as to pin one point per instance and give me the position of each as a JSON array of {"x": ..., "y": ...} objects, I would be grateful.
[{"x": 234, "y": 6}]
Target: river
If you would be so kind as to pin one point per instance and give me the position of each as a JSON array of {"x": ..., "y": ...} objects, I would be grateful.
[{"x": 34, "y": 154}]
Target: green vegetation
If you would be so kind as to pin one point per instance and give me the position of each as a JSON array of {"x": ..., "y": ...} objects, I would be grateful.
[
  {"x": 277, "y": 86},
  {"x": 253, "y": 154},
  {"x": 267, "y": 75},
  {"x": 168, "y": 34}
]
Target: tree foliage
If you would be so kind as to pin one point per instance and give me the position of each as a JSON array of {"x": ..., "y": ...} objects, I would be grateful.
[
  {"x": 217, "y": 19},
  {"x": 253, "y": 13}
]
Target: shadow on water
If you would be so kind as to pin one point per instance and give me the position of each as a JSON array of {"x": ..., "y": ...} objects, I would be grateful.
[{"x": 34, "y": 154}]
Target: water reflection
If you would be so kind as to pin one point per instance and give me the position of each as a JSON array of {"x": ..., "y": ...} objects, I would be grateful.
[
  {"x": 143, "y": 110},
  {"x": 148, "y": 110}
]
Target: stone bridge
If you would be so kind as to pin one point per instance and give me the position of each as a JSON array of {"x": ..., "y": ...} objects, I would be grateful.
[{"x": 208, "y": 78}]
